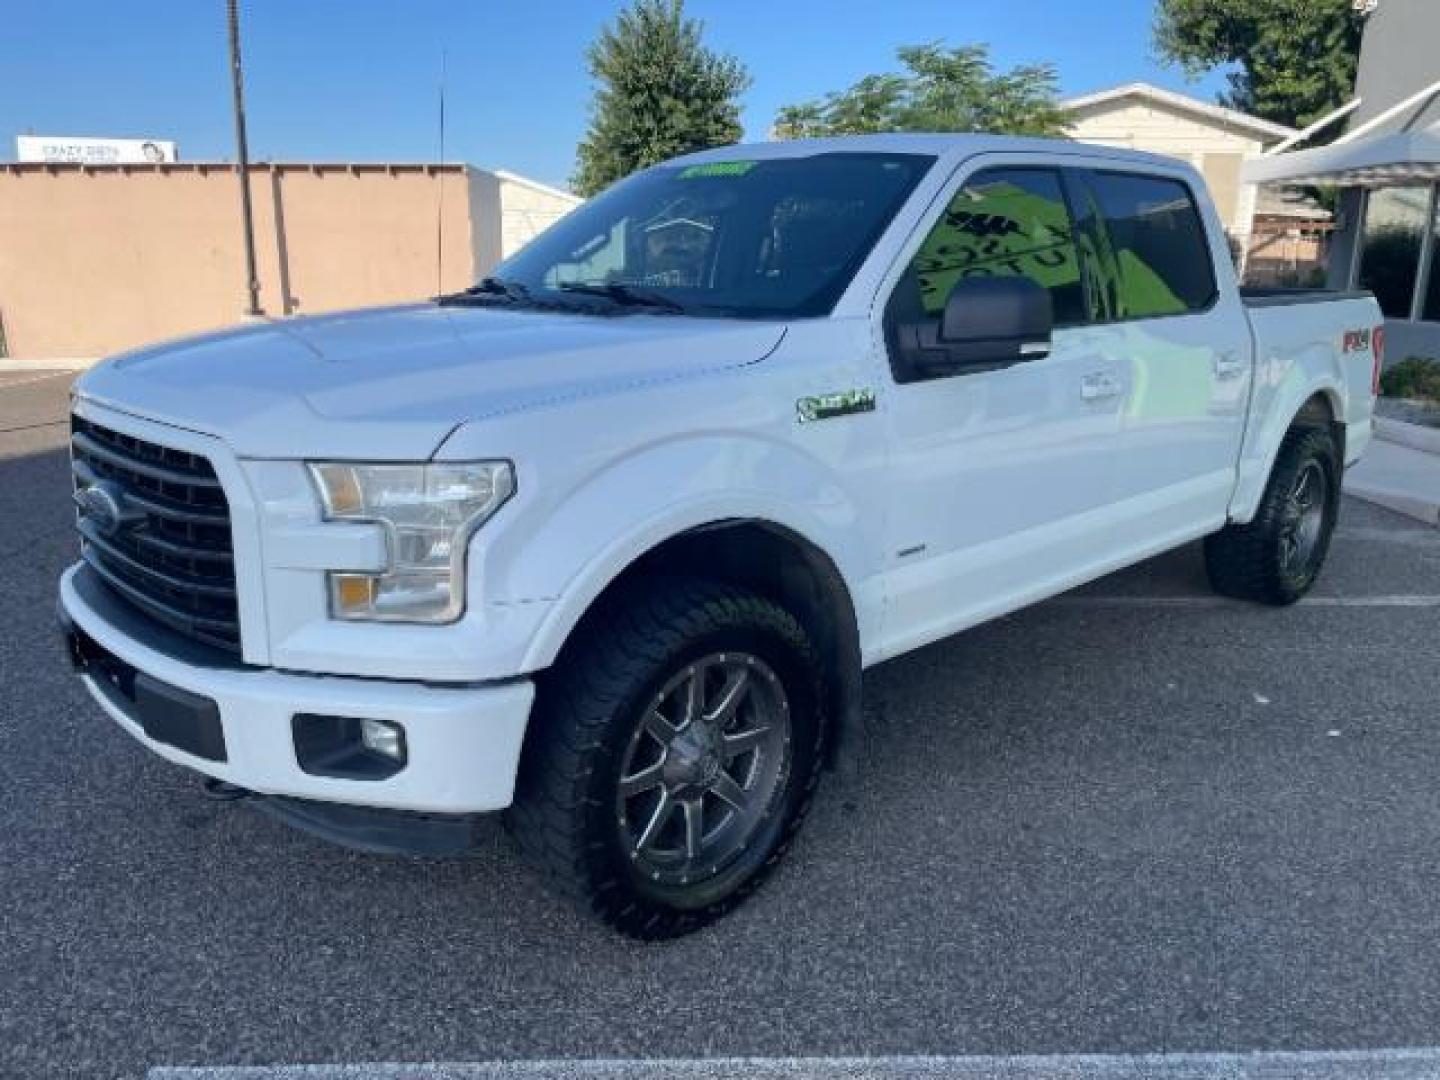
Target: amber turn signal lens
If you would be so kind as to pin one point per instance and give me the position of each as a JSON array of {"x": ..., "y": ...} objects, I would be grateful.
[
  {"x": 352, "y": 592},
  {"x": 342, "y": 489}
]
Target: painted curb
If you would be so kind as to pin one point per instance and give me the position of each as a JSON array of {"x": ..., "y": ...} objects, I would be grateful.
[
  {"x": 1415, "y": 436},
  {"x": 49, "y": 363},
  {"x": 1401, "y": 502}
]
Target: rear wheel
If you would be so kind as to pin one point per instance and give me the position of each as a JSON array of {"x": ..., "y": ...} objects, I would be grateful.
[
  {"x": 674, "y": 753},
  {"x": 1276, "y": 558}
]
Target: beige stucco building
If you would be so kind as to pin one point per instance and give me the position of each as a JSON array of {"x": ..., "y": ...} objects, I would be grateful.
[
  {"x": 100, "y": 258},
  {"x": 1214, "y": 139}
]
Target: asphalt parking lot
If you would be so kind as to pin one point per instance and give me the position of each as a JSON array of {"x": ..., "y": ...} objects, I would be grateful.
[{"x": 1133, "y": 819}]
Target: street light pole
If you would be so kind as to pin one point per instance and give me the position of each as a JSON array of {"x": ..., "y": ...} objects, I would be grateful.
[{"x": 242, "y": 153}]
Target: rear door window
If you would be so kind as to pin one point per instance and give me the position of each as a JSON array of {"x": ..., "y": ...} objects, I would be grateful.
[{"x": 1144, "y": 246}]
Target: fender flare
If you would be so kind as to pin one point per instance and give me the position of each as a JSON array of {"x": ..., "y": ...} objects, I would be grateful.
[
  {"x": 1256, "y": 465},
  {"x": 612, "y": 560}
]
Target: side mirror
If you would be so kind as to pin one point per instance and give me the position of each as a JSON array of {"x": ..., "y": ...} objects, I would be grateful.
[
  {"x": 988, "y": 323},
  {"x": 996, "y": 320}
]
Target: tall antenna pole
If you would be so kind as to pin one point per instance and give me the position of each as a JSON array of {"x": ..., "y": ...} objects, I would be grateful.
[
  {"x": 242, "y": 154},
  {"x": 440, "y": 199}
]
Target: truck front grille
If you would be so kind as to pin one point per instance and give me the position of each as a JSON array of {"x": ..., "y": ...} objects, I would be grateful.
[{"x": 155, "y": 526}]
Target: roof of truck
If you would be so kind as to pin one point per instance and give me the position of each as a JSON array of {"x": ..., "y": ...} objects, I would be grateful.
[{"x": 939, "y": 144}]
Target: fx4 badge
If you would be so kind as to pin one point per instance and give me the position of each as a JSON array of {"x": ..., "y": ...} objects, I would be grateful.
[
  {"x": 1355, "y": 341},
  {"x": 828, "y": 406}
]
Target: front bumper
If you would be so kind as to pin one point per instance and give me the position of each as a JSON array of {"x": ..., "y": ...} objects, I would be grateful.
[{"x": 463, "y": 742}]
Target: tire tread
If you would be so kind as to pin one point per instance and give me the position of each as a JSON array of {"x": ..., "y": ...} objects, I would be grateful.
[
  {"x": 623, "y": 643},
  {"x": 1240, "y": 560}
]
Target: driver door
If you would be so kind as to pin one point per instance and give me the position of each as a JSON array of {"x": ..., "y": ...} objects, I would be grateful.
[{"x": 1000, "y": 478}]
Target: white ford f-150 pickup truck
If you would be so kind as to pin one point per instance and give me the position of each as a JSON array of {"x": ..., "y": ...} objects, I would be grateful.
[{"x": 606, "y": 540}]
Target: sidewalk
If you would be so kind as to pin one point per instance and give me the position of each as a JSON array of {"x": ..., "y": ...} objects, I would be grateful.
[{"x": 1396, "y": 474}]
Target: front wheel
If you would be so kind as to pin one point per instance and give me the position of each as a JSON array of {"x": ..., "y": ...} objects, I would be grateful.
[
  {"x": 1276, "y": 558},
  {"x": 675, "y": 750}
]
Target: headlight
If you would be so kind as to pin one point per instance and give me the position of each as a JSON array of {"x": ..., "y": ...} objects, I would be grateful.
[{"x": 429, "y": 513}]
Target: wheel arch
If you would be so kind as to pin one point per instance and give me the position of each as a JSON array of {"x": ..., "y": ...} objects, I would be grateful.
[
  {"x": 1322, "y": 406},
  {"x": 775, "y": 561},
  {"x": 1321, "y": 409}
]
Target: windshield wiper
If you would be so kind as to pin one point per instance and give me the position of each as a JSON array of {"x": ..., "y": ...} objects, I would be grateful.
[
  {"x": 500, "y": 290},
  {"x": 490, "y": 288},
  {"x": 625, "y": 295}
]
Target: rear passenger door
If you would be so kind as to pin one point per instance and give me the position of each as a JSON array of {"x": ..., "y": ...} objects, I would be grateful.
[{"x": 1179, "y": 342}]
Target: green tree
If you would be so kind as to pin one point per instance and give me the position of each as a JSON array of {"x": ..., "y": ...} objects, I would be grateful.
[
  {"x": 1296, "y": 58},
  {"x": 660, "y": 92},
  {"x": 940, "y": 89}
]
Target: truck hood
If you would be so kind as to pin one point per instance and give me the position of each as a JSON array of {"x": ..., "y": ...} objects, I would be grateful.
[{"x": 388, "y": 384}]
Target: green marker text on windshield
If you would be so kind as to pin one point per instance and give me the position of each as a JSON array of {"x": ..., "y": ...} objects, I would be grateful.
[{"x": 717, "y": 168}]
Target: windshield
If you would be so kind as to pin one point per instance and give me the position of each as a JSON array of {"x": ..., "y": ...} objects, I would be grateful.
[{"x": 749, "y": 239}]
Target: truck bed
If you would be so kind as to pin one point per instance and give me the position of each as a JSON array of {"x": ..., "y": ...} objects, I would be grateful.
[
  {"x": 1331, "y": 333},
  {"x": 1275, "y": 297}
]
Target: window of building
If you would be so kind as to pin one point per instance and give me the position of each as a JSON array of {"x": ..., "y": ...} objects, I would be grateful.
[
  {"x": 1002, "y": 223},
  {"x": 1145, "y": 246},
  {"x": 1390, "y": 246}
]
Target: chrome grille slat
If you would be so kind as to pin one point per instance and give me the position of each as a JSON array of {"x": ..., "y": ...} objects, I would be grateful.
[
  {"x": 214, "y": 632},
  {"x": 86, "y": 475},
  {"x": 93, "y": 449},
  {"x": 183, "y": 551},
  {"x": 172, "y": 556},
  {"x": 160, "y": 577},
  {"x": 129, "y": 445}
]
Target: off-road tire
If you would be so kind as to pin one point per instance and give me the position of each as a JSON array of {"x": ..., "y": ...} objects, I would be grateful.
[
  {"x": 587, "y": 711},
  {"x": 1246, "y": 561}
]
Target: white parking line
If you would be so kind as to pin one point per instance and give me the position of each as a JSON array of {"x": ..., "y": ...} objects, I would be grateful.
[
  {"x": 1413, "y": 1064},
  {"x": 1403, "y": 601},
  {"x": 1371, "y": 601}
]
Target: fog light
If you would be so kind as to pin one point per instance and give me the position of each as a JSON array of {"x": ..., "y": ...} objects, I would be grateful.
[
  {"x": 348, "y": 747},
  {"x": 383, "y": 737}
]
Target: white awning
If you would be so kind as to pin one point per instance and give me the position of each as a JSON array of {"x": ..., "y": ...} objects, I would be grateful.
[{"x": 1394, "y": 160}]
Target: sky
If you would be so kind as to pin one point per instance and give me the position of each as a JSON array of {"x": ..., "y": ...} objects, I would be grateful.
[{"x": 359, "y": 81}]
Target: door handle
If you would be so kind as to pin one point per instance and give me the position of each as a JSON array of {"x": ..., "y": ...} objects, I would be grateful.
[
  {"x": 1100, "y": 385},
  {"x": 1228, "y": 366}
]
